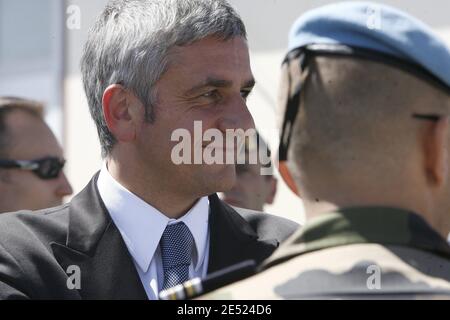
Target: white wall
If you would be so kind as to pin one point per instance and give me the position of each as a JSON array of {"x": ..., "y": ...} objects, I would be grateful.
[
  {"x": 81, "y": 145},
  {"x": 31, "y": 53}
]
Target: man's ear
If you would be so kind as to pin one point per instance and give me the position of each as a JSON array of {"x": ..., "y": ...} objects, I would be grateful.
[
  {"x": 120, "y": 111},
  {"x": 436, "y": 151}
]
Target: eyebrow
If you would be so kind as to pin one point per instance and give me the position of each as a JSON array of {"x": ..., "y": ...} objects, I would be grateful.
[{"x": 217, "y": 83}]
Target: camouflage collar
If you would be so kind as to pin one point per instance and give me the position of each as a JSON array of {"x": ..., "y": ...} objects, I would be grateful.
[{"x": 382, "y": 225}]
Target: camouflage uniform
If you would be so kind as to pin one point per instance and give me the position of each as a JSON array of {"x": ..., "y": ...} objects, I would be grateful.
[{"x": 362, "y": 253}]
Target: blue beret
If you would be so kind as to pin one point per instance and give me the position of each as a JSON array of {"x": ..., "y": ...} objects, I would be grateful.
[{"x": 375, "y": 27}]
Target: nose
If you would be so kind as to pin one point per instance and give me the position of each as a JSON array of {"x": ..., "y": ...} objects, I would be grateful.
[
  {"x": 237, "y": 117},
  {"x": 64, "y": 187}
]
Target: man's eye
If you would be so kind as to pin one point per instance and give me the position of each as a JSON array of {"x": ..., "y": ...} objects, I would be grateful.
[
  {"x": 214, "y": 94},
  {"x": 245, "y": 93}
]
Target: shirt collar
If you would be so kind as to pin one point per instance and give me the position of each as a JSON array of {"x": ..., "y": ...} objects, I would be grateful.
[{"x": 141, "y": 225}]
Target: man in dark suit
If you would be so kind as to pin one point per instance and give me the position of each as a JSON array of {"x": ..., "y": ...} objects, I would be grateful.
[{"x": 147, "y": 221}]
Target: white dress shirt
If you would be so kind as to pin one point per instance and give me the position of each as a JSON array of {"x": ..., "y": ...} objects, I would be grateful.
[{"x": 142, "y": 226}]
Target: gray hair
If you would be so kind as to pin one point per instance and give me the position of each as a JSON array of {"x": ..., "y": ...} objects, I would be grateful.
[{"x": 130, "y": 42}]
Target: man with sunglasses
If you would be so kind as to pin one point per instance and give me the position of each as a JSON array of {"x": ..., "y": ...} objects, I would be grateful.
[
  {"x": 31, "y": 159},
  {"x": 366, "y": 144}
]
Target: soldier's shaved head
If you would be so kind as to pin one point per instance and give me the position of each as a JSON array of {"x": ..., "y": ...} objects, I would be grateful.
[{"x": 355, "y": 131}]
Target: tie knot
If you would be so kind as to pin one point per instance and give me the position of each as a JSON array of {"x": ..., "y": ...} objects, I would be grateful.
[{"x": 176, "y": 245}]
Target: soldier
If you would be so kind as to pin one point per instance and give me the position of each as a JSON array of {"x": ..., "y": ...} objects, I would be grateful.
[{"x": 367, "y": 144}]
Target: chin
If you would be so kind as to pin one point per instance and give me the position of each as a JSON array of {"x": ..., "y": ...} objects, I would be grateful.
[{"x": 220, "y": 178}]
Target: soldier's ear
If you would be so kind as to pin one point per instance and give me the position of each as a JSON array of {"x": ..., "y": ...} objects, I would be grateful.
[{"x": 436, "y": 152}]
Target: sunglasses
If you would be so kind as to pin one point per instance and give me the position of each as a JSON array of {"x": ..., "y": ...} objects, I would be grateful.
[{"x": 45, "y": 168}]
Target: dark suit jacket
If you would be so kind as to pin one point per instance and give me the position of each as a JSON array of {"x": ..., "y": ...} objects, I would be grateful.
[{"x": 37, "y": 248}]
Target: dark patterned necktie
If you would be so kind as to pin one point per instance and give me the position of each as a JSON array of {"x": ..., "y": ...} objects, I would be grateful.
[{"x": 176, "y": 246}]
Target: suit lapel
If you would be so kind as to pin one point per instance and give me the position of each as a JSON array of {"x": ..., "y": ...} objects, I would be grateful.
[
  {"x": 232, "y": 239},
  {"x": 95, "y": 245},
  {"x": 107, "y": 270}
]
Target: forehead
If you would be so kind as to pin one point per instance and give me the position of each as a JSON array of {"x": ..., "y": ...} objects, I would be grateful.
[
  {"x": 213, "y": 57},
  {"x": 29, "y": 137}
]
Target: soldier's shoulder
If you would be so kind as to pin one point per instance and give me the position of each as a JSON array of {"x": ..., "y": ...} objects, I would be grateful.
[{"x": 357, "y": 271}]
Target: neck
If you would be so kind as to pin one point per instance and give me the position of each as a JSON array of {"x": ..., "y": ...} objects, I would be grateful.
[
  {"x": 159, "y": 196},
  {"x": 366, "y": 197},
  {"x": 315, "y": 209},
  {"x": 404, "y": 189}
]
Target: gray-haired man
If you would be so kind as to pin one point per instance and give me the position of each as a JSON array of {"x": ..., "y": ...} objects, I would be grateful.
[{"x": 146, "y": 223}]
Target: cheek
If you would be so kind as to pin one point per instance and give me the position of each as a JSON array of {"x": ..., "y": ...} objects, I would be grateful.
[
  {"x": 196, "y": 120},
  {"x": 154, "y": 140},
  {"x": 40, "y": 188},
  {"x": 28, "y": 189},
  {"x": 247, "y": 184},
  {"x": 24, "y": 180},
  {"x": 208, "y": 116}
]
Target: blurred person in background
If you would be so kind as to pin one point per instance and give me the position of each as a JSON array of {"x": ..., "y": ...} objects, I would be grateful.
[
  {"x": 31, "y": 160},
  {"x": 254, "y": 187}
]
